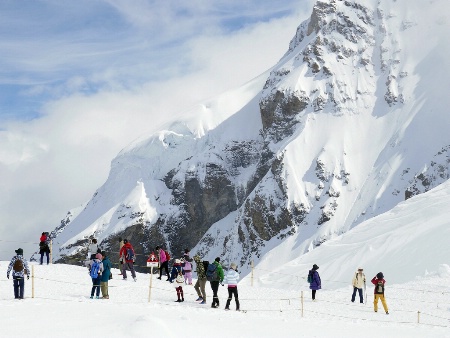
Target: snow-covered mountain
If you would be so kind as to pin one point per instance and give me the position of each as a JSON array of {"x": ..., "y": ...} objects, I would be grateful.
[{"x": 350, "y": 122}]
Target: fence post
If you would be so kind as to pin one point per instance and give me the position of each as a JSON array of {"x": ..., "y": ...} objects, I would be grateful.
[
  {"x": 253, "y": 267},
  {"x": 418, "y": 317},
  {"x": 32, "y": 281},
  {"x": 302, "y": 303},
  {"x": 150, "y": 287},
  {"x": 51, "y": 251}
]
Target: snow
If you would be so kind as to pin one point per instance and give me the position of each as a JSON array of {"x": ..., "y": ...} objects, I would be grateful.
[{"x": 62, "y": 308}]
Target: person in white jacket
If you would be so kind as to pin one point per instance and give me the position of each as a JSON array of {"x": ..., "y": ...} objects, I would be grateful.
[
  {"x": 358, "y": 282},
  {"x": 232, "y": 278}
]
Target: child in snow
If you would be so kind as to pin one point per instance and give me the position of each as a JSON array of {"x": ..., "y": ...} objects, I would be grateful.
[
  {"x": 379, "y": 283},
  {"x": 177, "y": 275},
  {"x": 358, "y": 282},
  {"x": 187, "y": 266},
  {"x": 232, "y": 278},
  {"x": 315, "y": 283},
  {"x": 95, "y": 271}
]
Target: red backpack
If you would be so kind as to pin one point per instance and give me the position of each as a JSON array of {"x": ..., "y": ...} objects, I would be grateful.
[{"x": 167, "y": 255}]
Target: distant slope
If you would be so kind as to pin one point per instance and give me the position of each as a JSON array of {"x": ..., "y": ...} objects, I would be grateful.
[{"x": 407, "y": 241}]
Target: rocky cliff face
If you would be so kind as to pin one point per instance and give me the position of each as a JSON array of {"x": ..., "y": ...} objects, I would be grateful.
[{"x": 323, "y": 144}]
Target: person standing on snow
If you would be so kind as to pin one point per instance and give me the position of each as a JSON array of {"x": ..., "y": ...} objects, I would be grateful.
[
  {"x": 44, "y": 248},
  {"x": 92, "y": 249},
  {"x": 95, "y": 267},
  {"x": 201, "y": 280},
  {"x": 163, "y": 262},
  {"x": 120, "y": 259},
  {"x": 232, "y": 278},
  {"x": 215, "y": 281},
  {"x": 179, "y": 280},
  {"x": 358, "y": 282},
  {"x": 187, "y": 267},
  {"x": 20, "y": 268},
  {"x": 379, "y": 283},
  {"x": 314, "y": 281},
  {"x": 106, "y": 275},
  {"x": 128, "y": 257}
]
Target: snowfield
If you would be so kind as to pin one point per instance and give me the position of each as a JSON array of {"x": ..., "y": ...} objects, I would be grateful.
[{"x": 62, "y": 308}]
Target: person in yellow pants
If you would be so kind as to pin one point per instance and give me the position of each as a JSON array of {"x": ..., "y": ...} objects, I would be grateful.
[{"x": 379, "y": 283}]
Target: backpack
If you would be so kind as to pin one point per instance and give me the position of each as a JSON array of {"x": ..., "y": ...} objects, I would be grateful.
[
  {"x": 167, "y": 255},
  {"x": 379, "y": 289},
  {"x": 18, "y": 265},
  {"x": 129, "y": 255},
  {"x": 95, "y": 268},
  {"x": 180, "y": 277},
  {"x": 211, "y": 273},
  {"x": 310, "y": 277},
  {"x": 205, "y": 265}
]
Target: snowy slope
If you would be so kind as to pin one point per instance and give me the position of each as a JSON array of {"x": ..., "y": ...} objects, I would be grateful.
[
  {"x": 349, "y": 123},
  {"x": 62, "y": 303},
  {"x": 409, "y": 241}
]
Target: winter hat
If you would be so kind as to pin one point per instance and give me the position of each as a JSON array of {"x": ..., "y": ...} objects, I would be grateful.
[
  {"x": 177, "y": 261},
  {"x": 125, "y": 241},
  {"x": 360, "y": 269},
  {"x": 233, "y": 266},
  {"x": 315, "y": 267},
  {"x": 217, "y": 259},
  {"x": 98, "y": 256},
  {"x": 380, "y": 275},
  {"x": 19, "y": 251},
  {"x": 157, "y": 247}
]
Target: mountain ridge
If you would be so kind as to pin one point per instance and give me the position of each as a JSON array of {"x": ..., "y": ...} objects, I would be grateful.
[{"x": 322, "y": 142}]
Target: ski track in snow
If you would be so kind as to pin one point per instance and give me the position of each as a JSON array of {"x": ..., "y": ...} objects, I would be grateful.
[{"x": 62, "y": 308}]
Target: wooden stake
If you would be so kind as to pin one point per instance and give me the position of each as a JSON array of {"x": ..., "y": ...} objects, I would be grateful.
[
  {"x": 302, "y": 303},
  {"x": 150, "y": 287},
  {"x": 32, "y": 281}
]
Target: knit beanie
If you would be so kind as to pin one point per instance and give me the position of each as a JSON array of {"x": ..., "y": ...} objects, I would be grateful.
[
  {"x": 315, "y": 267},
  {"x": 233, "y": 266},
  {"x": 217, "y": 259},
  {"x": 380, "y": 275}
]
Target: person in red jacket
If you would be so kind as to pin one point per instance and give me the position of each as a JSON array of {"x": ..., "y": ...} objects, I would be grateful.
[
  {"x": 379, "y": 283},
  {"x": 127, "y": 256}
]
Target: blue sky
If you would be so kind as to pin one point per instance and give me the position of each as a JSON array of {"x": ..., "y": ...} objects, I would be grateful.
[
  {"x": 80, "y": 80},
  {"x": 51, "y": 49}
]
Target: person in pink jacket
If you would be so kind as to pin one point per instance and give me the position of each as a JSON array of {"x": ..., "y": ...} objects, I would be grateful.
[{"x": 163, "y": 262}]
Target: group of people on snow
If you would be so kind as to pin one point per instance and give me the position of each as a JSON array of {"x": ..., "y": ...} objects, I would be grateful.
[
  {"x": 358, "y": 283},
  {"x": 99, "y": 266}
]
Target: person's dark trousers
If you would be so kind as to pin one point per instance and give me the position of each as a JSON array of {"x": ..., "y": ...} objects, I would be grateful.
[
  {"x": 215, "y": 288},
  {"x": 95, "y": 286},
  {"x": 313, "y": 294},
  {"x": 231, "y": 292},
  {"x": 164, "y": 266},
  {"x": 360, "y": 291},
  {"x": 42, "y": 257},
  {"x": 19, "y": 286}
]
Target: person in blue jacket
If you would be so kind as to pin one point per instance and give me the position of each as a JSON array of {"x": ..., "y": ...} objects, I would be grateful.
[{"x": 314, "y": 281}]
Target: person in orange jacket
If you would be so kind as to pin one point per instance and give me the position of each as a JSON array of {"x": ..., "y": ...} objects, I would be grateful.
[{"x": 379, "y": 283}]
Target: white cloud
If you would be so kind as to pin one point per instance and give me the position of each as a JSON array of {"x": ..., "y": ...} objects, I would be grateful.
[{"x": 56, "y": 162}]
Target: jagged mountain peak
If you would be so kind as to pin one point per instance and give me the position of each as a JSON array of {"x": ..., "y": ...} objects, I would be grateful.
[{"x": 323, "y": 141}]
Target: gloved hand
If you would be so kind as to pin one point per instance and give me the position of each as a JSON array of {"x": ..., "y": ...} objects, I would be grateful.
[
  {"x": 7, "y": 276},
  {"x": 222, "y": 284},
  {"x": 28, "y": 277}
]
